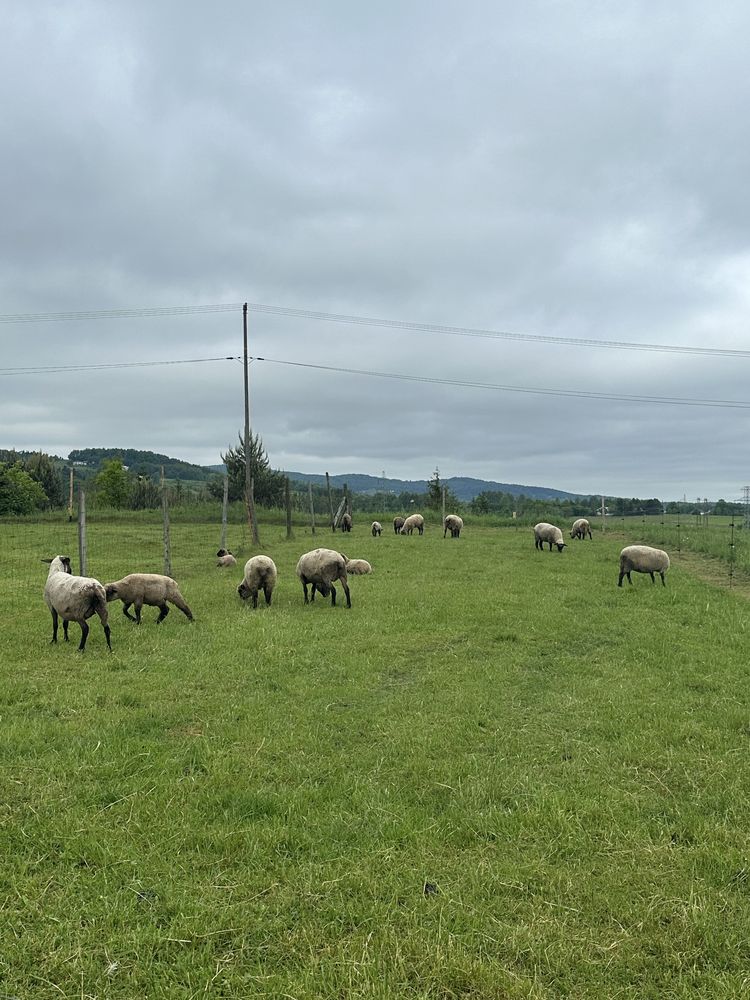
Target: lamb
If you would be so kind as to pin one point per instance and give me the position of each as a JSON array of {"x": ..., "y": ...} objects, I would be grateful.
[
  {"x": 580, "y": 529},
  {"x": 453, "y": 523},
  {"x": 225, "y": 558},
  {"x": 346, "y": 522},
  {"x": 260, "y": 572},
  {"x": 358, "y": 567},
  {"x": 74, "y": 599},
  {"x": 398, "y": 523},
  {"x": 544, "y": 532},
  {"x": 321, "y": 567},
  {"x": 643, "y": 559},
  {"x": 413, "y": 521},
  {"x": 147, "y": 588},
  {"x": 377, "y": 527}
]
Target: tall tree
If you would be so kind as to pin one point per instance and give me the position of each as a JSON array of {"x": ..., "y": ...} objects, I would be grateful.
[
  {"x": 19, "y": 493},
  {"x": 268, "y": 485},
  {"x": 43, "y": 470}
]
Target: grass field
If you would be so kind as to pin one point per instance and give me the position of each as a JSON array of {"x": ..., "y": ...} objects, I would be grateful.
[{"x": 496, "y": 776}]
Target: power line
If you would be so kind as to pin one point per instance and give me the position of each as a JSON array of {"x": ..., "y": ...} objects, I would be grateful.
[
  {"x": 392, "y": 324},
  {"x": 53, "y": 369},
  {"x": 577, "y": 393}
]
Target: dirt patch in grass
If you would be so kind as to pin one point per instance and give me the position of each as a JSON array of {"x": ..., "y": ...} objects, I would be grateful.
[{"x": 714, "y": 572}]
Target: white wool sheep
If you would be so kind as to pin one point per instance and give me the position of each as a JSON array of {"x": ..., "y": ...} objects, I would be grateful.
[
  {"x": 260, "y": 573},
  {"x": 74, "y": 599},
  {"x": 580, "y": 529},
  {"x": 398, "y": 523},
  {"x": 358, "y": 567},
  {"x": 226, "y": 558},
  {"x": 643, "y": 559},
  {"x": 346, "y": 522},
  {"x": 453, "y": 523},
  {"x": 544, "y": 532},
  {"x": 321, "y": 567},
  {"x": 377, "y": 527},
  {"x": 147, "y": 588},
  {"x": 413, "y": 521}
]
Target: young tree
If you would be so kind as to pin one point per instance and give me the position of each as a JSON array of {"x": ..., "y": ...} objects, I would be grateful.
[
  {"x": 113, "y": 485},
  {"x": 435, "y": 491}
]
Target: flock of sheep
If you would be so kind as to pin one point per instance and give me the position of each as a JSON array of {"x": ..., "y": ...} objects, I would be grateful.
[{"x": 77, "y": 598}]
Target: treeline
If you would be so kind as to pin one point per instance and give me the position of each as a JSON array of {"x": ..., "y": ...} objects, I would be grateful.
[{"x": 140, "y": 463}]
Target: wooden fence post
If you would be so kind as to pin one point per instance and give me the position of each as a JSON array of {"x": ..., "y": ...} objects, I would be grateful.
[
  {"x": 82, "y": 553},
  {"x": 312, "y": 509},
  {"x": 165, "y": 526},
  {"x": 330, "y": 501}
]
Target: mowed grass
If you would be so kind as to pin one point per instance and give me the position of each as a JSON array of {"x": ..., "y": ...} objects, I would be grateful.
[{"x": 496, "y": 776}]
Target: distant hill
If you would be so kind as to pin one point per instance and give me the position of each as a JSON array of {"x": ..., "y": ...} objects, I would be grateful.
[
  {"x": 464, "y": 488},
  {"x": 143, "y": 463}
]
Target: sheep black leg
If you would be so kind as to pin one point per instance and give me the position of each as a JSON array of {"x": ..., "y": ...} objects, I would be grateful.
[
  {"x": 106, "y": 636},
  {"x": 84, "y": 636},
  {"x": 54, "y": 625},
  {"x": 304, "y": 587},
  {"x": 255, "y": 598},
  {"x": 163, "y": 612},
  {"x": 333, "y": 596},
  {"x": 65, "y": 628},
  {"x": 267, "y": 594},
  {"x": 126, "y": 612},
  {"x": 138, "y": 605},
  {"x": 663, "y": 581},
  {"x": 619, "y": 579},
  {"x": 652, "y": 578}
]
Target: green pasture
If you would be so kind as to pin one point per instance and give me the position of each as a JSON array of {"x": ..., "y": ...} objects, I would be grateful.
[{"x": 496, "y": 776}]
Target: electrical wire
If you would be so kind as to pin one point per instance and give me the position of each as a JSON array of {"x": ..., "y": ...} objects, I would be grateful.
[
  {"x": 392, "y": 324},
  {"x": 53, "y": 369}
]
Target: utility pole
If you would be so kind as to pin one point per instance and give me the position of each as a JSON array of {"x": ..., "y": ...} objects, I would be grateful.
[{"x": 252, "y": 520}]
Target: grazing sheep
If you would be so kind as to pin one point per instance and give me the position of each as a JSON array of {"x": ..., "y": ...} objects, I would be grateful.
[
  {"x": 225, "y": 558},
  {"x": 377, "y": 527},
  {"x": 346, "y": 522},
  {"x": 544, "y": 532},
  {"x": 321, "y": 567},
  {"x": 580, "y": 529},
  {"x": 398, "y": 523},
  {"x": 643, "y": 559},
  {"x": 453, "y": 523},
  {"x": 147, "y": 588},
  {"x": 358, "y": 567},
  {"x": 413, "y": 521},
  {"x": 260, "y": 572},
  {"x": 74, "y": 599}
]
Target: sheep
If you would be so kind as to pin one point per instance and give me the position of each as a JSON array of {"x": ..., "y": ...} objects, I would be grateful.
[
  {"x": 580, "y": 529},
  {"x": 346, "y": 522},
  {"x": 358, "y": 567},
  {"x": 147, "y": 588},
  {"x": 544, "y": 532},
  {"x": 643, "y": 559},
  {"x": 225, "y": 558},
  {"x": 377, "y": 527},
  {"x": 321, "y": 567},
  {"x": 413, "y": 521},
  {"x": 453, "y": 523},
  {"x": 74, "y": 599},
  {"x": 260, "y": 572},
  {"x": 398, "y": 523}
]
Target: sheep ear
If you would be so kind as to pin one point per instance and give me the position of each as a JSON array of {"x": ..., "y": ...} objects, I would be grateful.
[{"x": 46, "y": 560}]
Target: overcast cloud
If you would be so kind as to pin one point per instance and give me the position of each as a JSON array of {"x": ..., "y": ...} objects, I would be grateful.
[{"x": 564, "y": 169}]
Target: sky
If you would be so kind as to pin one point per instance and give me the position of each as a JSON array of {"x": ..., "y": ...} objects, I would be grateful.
[{"x": 564, "y": 175}]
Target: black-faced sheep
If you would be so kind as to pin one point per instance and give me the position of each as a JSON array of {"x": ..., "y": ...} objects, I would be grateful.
[
  {"x": 321, "y": 567},
  {"x": 74, "y": 599},
  {"x": 544, "y": 532},
  {"x": 225, "y": 558},
  {"x": 152, "y": 589},
  {"x": 358, "y": 567},
  {"x": 580, "y": 529},
  {"x": 376, "y": 528},
  {"x": 398, "y": 523},
  {"x": 346, "y": 522},
  {"x": 413, "y": 521},
  {"x": 260, "y": 573},
  {"x": 452, "y": 523},
  {"x": 643, "y": 559}
]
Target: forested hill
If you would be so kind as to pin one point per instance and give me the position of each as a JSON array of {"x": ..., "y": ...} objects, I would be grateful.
[
  {"x": 464, "y": 488},
  {"x": 142, "y": 463}
]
